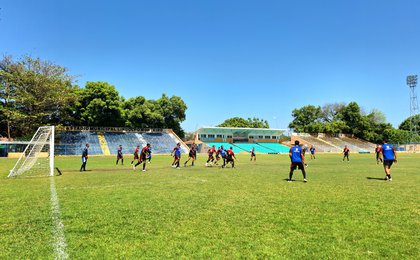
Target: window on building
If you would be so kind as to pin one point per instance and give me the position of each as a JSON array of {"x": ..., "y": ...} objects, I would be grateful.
[{"x": 219, "y": 136}]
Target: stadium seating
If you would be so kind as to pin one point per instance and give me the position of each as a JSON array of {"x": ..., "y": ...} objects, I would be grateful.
[
  {"x": 129, "y": 141},
  {"x": 247, "y": 147},
  {"x": 161, "y": 142},
  {"x": 72, "y": 143},
  {"x": 275, "y": 147}
]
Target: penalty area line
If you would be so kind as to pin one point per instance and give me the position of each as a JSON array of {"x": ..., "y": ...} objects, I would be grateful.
[{"x": 59, "y": 240}]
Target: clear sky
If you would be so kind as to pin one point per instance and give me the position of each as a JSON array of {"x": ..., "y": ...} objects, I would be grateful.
[{"x": 229, "y": 58}]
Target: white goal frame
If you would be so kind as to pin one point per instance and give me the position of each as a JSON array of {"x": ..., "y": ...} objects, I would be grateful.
[{"x": 43, "y": 136}]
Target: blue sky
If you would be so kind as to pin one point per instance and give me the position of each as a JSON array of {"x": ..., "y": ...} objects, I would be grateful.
[{"x": 229, "y": 58}]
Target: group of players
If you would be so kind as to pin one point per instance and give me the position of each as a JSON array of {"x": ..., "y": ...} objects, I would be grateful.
[{"x": 385, "y": 153}]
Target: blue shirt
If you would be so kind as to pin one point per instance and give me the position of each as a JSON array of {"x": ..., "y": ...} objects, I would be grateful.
[
  {"x": 85, "y": 152},
  {"x": 388, "y": 152},
  {"x": 296, "y": 152},
  {"x": 312, "y": 150},
  {"x": 178, "y": 150},
  {"x": 223, "y": 152}
]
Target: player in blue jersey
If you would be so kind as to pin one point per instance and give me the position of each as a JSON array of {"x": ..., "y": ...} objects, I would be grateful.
[
  {"x": 297, "y": 160},
  {"x": 389, "y": 157},
  {"x": 84, "y": 157},
  {"x": 176, "y": 152},
  {"x": 149, "y": 155},
  {"x": 253, "y": 154},
  {"x": 120, "y": 155},
  {"x": 312, "y": 150}
]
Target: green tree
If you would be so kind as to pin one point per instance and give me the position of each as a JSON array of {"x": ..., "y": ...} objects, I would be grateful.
[
  {"x": 307, "y": 115},
  {"x": 99, "y": 104},
  {"x": 235, "y": 122},
  {"x": 33, "y": 92},
  {"x": 258, "y": 123},
  {"x": 405, "y": 125},
  {"x": 173, "y": 111}
]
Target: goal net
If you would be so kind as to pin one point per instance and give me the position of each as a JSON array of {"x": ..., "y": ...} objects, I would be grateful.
[{"x": 38, "y": 157}]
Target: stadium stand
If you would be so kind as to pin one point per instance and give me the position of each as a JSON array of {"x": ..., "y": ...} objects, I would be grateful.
[
  {"x": 72, "y": 143},
  {"x": 129, "y": 141},
  {"x": 162, "y": 142},
  {"x": 275, "y": 147}
]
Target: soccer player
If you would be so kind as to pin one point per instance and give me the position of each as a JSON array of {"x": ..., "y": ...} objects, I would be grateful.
[
  {"x": 191, "y": 155},
  {"x": 84, "y": 157},
  {"x": 211, "y": 151},
  {"x": 223, "y": 154},
  {"x": 378, "y": 153},
  {"x": 136, "y": 154},
  {"x": 143, "y": 157},
  {"x": 346, "y": 152},
  {"x": 390, "y": 156},
  {"x": 297, "y": 160},
  {"x": 177, "y": 156},
  {"x": 312, "y": 152},
  {"x": 149, "y": 155},
  {"x": 230, "y": 158},
  {"x": 120, "y": 156},
  {"x": 253, "y": 154}
]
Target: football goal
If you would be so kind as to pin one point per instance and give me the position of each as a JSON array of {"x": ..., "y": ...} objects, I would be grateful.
[{"x": 38, "y": 157}]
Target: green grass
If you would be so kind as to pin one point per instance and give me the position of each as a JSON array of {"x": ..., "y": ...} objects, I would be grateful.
[{"x": 344, "y": 211}]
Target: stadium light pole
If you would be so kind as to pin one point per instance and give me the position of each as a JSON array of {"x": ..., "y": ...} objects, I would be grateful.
[{"x": 414, "y": 106}]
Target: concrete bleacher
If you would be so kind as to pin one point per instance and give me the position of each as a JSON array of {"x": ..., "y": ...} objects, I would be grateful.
[
  {"x": 268, "y": 148},
  {"x": 129, "y": 141},
  {"x": 325, "y": 143},
  {"x": 162, "y": 142},
  {"x": 275, "y": 147},
  {"x": 72, "y": 143}
]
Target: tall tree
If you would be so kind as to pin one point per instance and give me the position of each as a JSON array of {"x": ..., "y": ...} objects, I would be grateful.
[
  {"x": 173, "y": 111},
  {"x": 405, "y": 125},
  {"x": 99, "y": 104},
  {"x": 305, "y": 116},
  {"x": 247, "y": 123},
  {"x": 33, "y": 93}
]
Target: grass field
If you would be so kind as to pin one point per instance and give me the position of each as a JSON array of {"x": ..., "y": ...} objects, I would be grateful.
[{"x": 344, "y": 211}]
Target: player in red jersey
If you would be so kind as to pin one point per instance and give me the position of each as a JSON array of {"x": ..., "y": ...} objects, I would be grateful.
[
  {"x": 191, "y": 155},
  {"x": 230, "y": 158},
  {"x": 378, "y": 153},
  {"x": 211, "y": 151},
  {"x": 143, "y": 157},
  {"x": 136, "y": 154},
  {"x": 346, "y": 152}
]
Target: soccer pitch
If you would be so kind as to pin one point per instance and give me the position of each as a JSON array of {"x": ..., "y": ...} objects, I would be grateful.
[{"x": 345, "y": 210}]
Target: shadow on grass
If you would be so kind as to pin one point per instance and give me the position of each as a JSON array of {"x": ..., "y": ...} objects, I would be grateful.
[
  {"x": 293, "y": 180},
  {"x": 375, "y": 178}
]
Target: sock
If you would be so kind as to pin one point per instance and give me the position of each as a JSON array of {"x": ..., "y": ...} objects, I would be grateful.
[{"x": 290, "y": 175}]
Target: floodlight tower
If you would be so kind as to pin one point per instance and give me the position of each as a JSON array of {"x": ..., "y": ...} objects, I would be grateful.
[{"x": 414, "y": 105}]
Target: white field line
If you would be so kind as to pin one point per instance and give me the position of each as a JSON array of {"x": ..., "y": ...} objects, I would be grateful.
[{"x": 59, "y": 243}]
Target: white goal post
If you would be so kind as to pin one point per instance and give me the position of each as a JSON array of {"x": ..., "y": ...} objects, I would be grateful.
[{"x": 38, "y": 156}]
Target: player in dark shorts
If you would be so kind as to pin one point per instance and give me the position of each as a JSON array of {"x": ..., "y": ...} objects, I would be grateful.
[
  {"x": 192, "y": 155},
  {"x": 253, "y": 154},
  {"x": 136, "y": 154},
  {"x": 378, "y": 153},
  {"x": 84, "y": 157},
  {"x": 346, "y": 152},
  {"x": 230, "y": 158},
  {"x": 210, "y": 152},
  {"x": 120, "y": 155},
  {"x": 312, "y": 150},
  {"x": 390, "y": 156},
  {"x": 149, "y": 155},
  {"x": 297, "y": 161},
  {"x": 176, "y": 152},
  {"x": 143, "y": 157}
]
